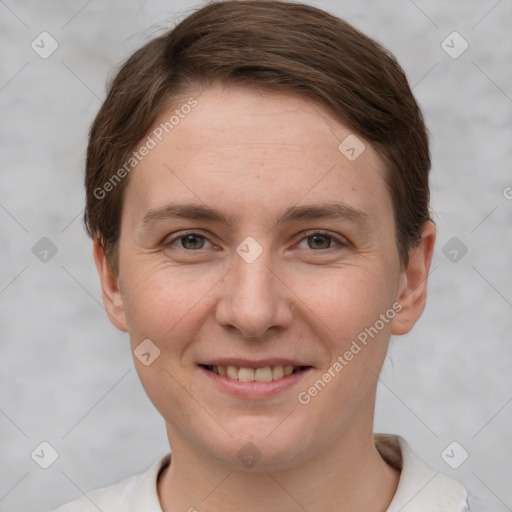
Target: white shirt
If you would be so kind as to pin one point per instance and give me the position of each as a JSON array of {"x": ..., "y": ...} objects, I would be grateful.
[{"x": 420, "y": 488}]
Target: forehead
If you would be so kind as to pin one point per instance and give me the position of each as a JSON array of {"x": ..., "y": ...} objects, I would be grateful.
[{"x": 255, "y": 150}]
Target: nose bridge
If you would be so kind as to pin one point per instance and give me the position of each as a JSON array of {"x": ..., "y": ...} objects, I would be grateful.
[{"x": 253, "y": 300}]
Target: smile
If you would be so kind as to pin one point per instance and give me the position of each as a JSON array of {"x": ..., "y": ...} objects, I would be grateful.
[{"x": 246, "y": 374}]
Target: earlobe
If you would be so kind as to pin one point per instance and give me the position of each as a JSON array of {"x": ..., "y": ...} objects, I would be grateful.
[
  {"x": 110, "y": 292},
  {"x": 413, "y": 287}
]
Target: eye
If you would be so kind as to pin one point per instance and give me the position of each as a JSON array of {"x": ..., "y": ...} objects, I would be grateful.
[
  {"x": 322, "y": 240},
  {"x": 189, "y": 241},
  {"x": 317, "y": 240}
]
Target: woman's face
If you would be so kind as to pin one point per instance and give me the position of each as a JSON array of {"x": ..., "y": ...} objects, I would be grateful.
[{"x": 252, "y": 240}]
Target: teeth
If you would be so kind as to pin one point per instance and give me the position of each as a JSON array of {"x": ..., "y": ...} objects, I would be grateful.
[
  {"x": 244, "y": 374},
  {"x": 263, "y": 374},
  {"x": 232, "y": 372},
  {"x": 277, "y": 372}
]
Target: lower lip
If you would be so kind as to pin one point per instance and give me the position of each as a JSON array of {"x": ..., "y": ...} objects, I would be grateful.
[{"x": 255, "y": 389}]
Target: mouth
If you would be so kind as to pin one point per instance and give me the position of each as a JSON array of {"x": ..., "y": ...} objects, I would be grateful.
[{"x": 255, "y": 374}]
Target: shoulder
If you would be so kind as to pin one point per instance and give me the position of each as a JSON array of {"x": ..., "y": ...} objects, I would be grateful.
[
  {"x": 421, "y": 488},
  {"x": 123, "y": 496},
  {"x": 108, "y": 499}
]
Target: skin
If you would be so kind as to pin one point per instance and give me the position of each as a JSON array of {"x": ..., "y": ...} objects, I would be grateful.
[{"x": 253, "y": 154}]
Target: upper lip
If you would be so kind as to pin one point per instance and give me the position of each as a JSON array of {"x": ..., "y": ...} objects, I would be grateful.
[{"x": 246, "y": 363}]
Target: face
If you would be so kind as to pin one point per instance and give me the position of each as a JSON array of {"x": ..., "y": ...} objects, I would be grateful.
[{"x": 252, "y": 247}]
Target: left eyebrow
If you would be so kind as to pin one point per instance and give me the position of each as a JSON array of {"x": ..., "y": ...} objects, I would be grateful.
[{"x": 336, "y": 210}]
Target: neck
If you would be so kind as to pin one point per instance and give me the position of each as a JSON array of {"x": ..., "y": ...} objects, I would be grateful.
[{"x": 349, "y": 475}]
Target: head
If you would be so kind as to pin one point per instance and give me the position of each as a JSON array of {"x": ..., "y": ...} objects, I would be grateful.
[{"x": 257, "y": 194}]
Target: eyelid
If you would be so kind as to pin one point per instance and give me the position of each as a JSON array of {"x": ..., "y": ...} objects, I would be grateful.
[
  {"x": 340, "y": 240},
  {"x": 180, "y": 234}
]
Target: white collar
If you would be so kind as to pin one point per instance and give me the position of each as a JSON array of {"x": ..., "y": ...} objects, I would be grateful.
[{"x": 420, "y": 488}]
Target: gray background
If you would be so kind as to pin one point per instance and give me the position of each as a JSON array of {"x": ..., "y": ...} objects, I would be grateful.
[{"x": 66, "y": 374}]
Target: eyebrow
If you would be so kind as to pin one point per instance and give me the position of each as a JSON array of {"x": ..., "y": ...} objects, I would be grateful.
[{"x": 336, "y": 210}]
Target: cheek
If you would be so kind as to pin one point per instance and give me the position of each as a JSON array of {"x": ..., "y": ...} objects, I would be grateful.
[
  {"x": 348, "y": 380},
  {"x": 347, "y": 300},
  {"x": 166, "y": 305},
  {"x": 357, "y": 308},
  {"x": 169, "y": 392}
]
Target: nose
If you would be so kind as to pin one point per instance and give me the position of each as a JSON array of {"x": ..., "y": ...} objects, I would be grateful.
[{"x": 254, "y": 297}]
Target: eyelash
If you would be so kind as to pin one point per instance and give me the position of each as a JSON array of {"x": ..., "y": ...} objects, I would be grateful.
[{"x": 341, "y": 244}]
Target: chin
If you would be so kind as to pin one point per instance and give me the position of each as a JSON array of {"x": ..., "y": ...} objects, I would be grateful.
[{"x": 262, "y": 444}]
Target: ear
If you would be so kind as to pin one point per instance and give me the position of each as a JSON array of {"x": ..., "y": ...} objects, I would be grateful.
[
  {"x": 412, "y": 293},
  {"x": 112, "y": 298}
]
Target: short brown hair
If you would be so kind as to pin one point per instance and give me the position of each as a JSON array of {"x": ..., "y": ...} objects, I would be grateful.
[{"x": 284, "y": 46}]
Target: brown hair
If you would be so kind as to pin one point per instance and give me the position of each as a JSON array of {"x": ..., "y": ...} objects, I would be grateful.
[{"x": 280, "y": 45}]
